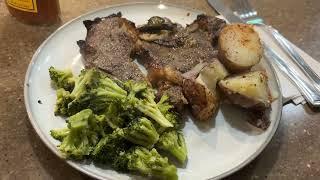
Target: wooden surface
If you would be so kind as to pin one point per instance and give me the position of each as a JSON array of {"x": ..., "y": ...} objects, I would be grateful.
[{"x": 294, "y": 152}]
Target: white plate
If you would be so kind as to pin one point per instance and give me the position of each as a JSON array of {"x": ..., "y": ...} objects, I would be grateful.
[{"x": 223, "y": 147}]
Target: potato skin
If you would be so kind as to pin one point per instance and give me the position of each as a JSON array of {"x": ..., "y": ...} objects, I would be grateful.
[
  {"x": 239, "y": 47},
  {"x": 251, "y": 92},
  {"x": 244, "y": 100},
  {"x": 203, "y": 102}
]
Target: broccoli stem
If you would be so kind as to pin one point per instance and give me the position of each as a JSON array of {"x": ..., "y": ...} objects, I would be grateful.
[
  {"x": 179, "y": 153},
  {"x": 79, "y": 120},
  {"x": 109, "y": 85},
  {"x": 111, "y": 94},
  {"x": 153, "y": 112}
]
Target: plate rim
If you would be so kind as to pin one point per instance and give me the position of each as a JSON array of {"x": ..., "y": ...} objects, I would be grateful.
[{"x": 95, "y": 175}]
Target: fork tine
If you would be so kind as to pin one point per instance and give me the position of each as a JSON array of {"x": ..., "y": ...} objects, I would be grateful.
[
  {"x": 247, "y": 8},
  {"x": 247, "y": 4},
  {"x": 250, "y": 8},
  {"x": 242, "y": 9},
  {"x": 234, "y": 6}
]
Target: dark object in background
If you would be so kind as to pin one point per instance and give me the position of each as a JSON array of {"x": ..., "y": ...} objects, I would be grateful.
[{"x": 35, "y": 11}]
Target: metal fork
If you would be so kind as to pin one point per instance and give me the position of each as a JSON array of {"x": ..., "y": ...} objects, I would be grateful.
[{"x": 245, "y": 12}]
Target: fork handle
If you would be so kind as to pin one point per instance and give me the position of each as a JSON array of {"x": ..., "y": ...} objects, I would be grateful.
[
  {"x": 311, "y": 95},
  {"x": 295, "y": 56}
]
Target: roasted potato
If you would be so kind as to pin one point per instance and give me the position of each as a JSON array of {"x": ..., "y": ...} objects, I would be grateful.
[
  {"x": 202, "y": 101},
  {"x": 248, "y": 90},
  {"x": 201, "y": 92},
  {"x": 211, "y": 74},
  {"x": 239, "y": 47}
]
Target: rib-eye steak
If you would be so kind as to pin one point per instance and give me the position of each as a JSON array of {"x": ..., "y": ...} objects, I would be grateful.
[
  {"x": 109, "y": 46},
  {"x": 181, "y": 48},
  {"x": 172, "y": 55}
]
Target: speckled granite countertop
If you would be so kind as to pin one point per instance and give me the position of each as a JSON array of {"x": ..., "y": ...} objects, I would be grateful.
[{"x": 294, "y": 152}]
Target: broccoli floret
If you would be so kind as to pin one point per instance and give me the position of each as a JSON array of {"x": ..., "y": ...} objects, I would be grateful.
[
  {"x": 141, "y": 132},
  {"x": 141, "y": 97},
  {"x": 106, "y": 92},
  {"x": 112, "y": 89},
  {"x": 62, "y": 78},
  {"x": 135, "y": 87},
  {"x": 134, "y": 90},
  {"x": 110, "y": 147},
  {"x": 63, "y": 99},
  {"x": 173, "y": 117},
  {"x": 84, "y": 133},
  {"x": 94, "y": 90},
  {"x": 87, "y": 80},
  {"x": 59, "y": 134},
  {"x": 174, "y": 143},
  {"x": 113, "y": 116},
  {"x": 70, "y": 103},
  {"x": 147, "y": 162},
  {"x": 165, "y": 108},
  {"x": 164, "y": 105},
  {"x": 149, "y": 107}
]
